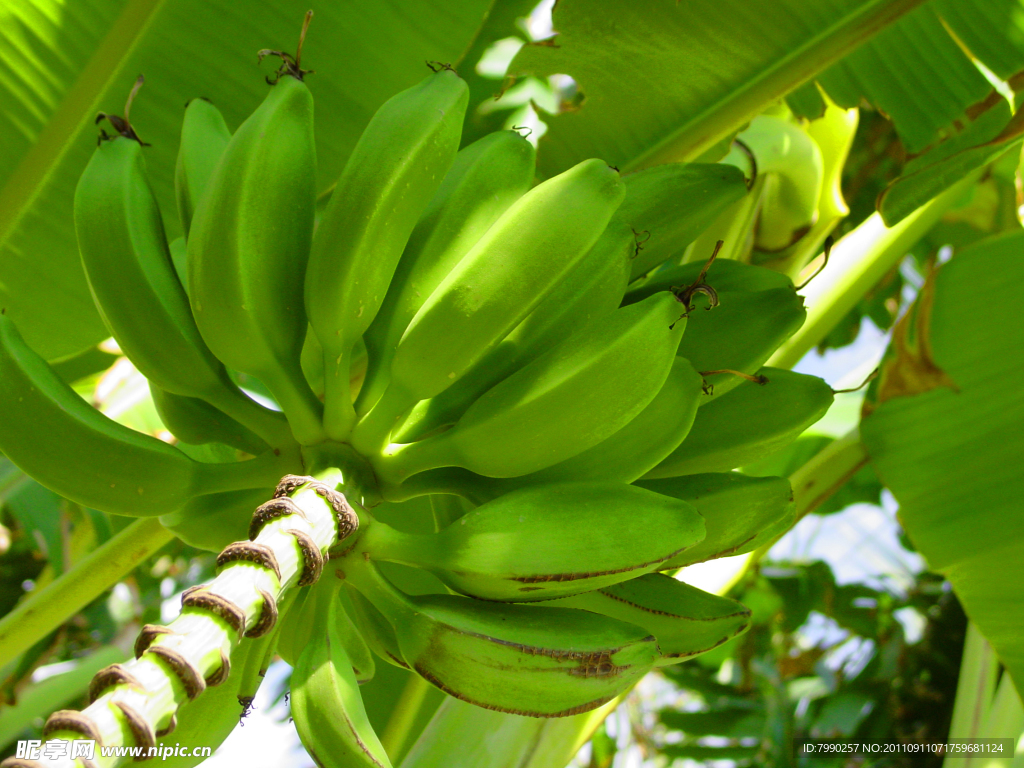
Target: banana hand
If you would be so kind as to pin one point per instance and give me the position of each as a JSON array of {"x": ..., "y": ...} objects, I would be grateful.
[
  {"x": 592, "y": 289},
  {"x": 520, "y": 259},
  {"x": 577, "y": 394}
]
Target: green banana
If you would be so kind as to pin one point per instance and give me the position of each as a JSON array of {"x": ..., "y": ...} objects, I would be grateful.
[
  {"x": 643, "y": 442},
  {"x": 137, "y": 290},
  {"x": 65, "y": 444},
  {"x": 197, "y": 422},
  {"x": 485, "y": 179},
  {"x": 204, "y": 136},
  {"x": 391, "y": 175},
  {"x": 179, "y": 258},
  {"x": 523, "y": 659},
  {"x": 549, "y": 541},
  {"x": 674, "y": 202},
  {"x": 685, "y": 621},
  {"x": 592, "y": 288},
  {"x": 248, "y": 246},
  {"x": 374, "y": 628},
  {"x": 509, "y": 271},
  {"x": 792, "y": 163},
  {"x": 213, "y": 521},
  {"x": 578, "y": 393},
  {"x": 749, "y": 423},
  {"x": 740, "y": 334},
  {"x": 740, "y": 512},
  {"x": 625, "y": 456},
  {"x": 325, "y": 700},
  {"x": 363, "y": 665},
  {"x": 725, "y": 275}
]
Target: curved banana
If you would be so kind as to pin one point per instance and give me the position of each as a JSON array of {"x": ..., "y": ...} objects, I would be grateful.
[
  {"x": 740, "y": 512},
  {"x": 625, "y": 456},
  {"x": 179, "y": 258},
  {"x": 325, "y": 700},
  {"x": 509, "y": 271},
  {"x": 549, "y": 541},
  {"x": 485, "y": 179},
  {"x": 740, "y": 334},
  {"x": 572, "y": 397},
  {"x": 523, "y": 659},
  {"x": 137, "y": 291},
  {"x": 204, "y": 136},
  {"x": 393, "y": 172},
  {"x": 197, "y": 422},
  {"x": 65, "y": 444},
  {"x": 592, "y": 288},
  {"x": 749, "y": 423},
  {"x": 685, "y": 621},
  {"x": 248, "y": 246}
]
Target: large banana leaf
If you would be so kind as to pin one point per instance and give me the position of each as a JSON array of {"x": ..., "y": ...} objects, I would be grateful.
[
  {"x": 664, "y": 81},
  {"x": 62, "y": 62},
  {"x": 667, "y": 81},
  {"x": 946, "y": 434}
]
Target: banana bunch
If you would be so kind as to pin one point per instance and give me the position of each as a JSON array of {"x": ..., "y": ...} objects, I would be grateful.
[{"x": 451, "y": 329}]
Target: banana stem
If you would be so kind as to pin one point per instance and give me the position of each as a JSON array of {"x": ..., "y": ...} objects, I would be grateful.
[
  {"x": 46, "y": 609},
  {"x": 339, "y": 413},
  {"x": 976, "y": 686},
  {"x": 291, "y": 538},
  {"x": 259, "y": 472},
  {"x": 394, "y": 546},
  {"x": 301, "y": 406},
  {"x": 377, "y": 589},
  {"x": 401, "y": 462},
  {"x": 267, "y": 424},
  {"x": 371, "y": 434},
  {"x": 856, "y": 264}
]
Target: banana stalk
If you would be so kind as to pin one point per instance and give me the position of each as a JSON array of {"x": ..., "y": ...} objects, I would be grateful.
[{"x": 136, "y": 701}]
